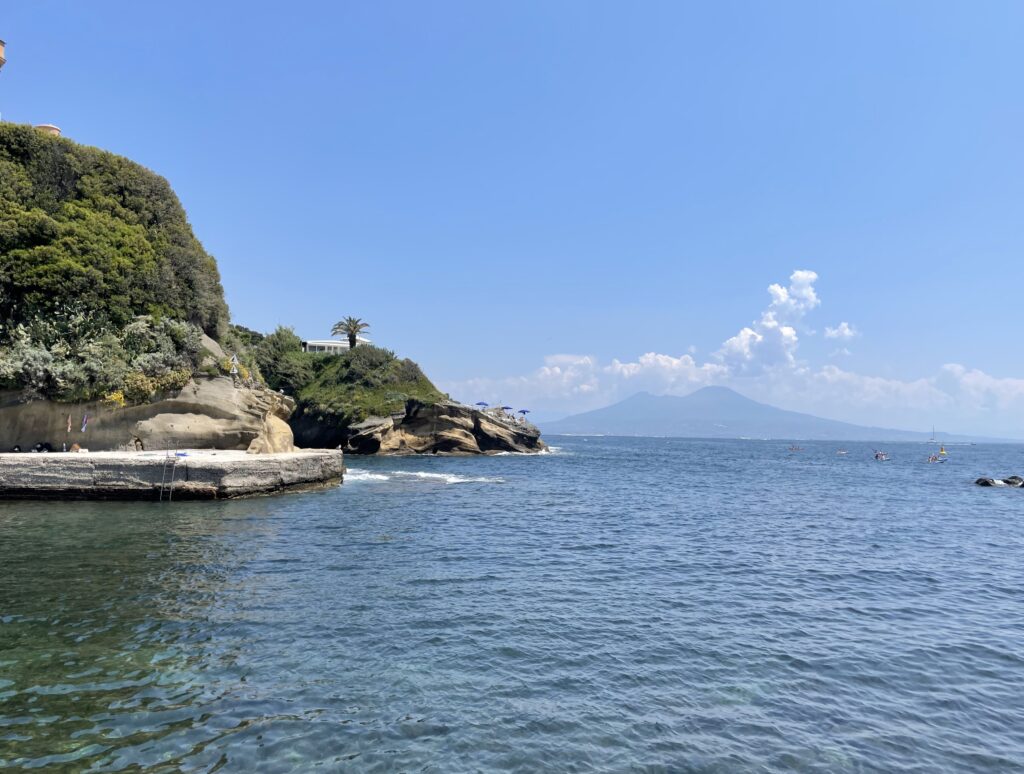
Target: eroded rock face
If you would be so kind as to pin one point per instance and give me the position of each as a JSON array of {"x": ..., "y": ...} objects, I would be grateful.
[
  {"x": 208, "y": 413},
  {"x": 441, "y": 428}
]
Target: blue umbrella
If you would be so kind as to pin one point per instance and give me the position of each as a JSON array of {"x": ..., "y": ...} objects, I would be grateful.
[
  {"x": 481, "y": 403},
  {"x": 506, "y": 408},
  {"x": 524, "y": 411}
]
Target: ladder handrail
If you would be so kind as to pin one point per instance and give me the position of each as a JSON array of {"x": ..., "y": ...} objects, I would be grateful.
[
  {"x": 173, "y": 459},
  {"x": 170, "y": 486}
]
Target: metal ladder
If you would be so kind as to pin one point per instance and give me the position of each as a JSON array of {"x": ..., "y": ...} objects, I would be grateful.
[{"x": 165, "y": 484}]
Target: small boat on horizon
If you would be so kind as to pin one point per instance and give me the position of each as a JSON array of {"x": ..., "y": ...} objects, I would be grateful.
[
  {"x": 841, "y": 452},
  {"x": 882, "y": 456}
]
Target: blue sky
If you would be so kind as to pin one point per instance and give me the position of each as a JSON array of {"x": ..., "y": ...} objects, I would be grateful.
[{"x": 521, "y": 195}]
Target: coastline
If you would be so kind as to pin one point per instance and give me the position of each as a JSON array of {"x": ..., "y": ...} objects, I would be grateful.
[{"x": 190, "y": 474}]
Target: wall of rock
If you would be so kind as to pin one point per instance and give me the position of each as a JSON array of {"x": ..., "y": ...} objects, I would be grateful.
[
  {"x": 439, "y": 428},
  {"x": 208, "y": 413}
]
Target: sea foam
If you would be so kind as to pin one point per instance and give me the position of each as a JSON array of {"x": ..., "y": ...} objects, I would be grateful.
[{"x": 355, "y": 474}]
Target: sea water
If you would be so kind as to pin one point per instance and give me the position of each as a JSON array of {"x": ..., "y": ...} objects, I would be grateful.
[{"x": 618, "y": 605}]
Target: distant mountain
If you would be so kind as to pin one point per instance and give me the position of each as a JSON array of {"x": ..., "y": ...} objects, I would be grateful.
[{"x": 718, "y": 412}]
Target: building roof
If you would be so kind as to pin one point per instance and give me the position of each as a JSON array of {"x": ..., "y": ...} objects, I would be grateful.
[{"x": 334, "y": 341}]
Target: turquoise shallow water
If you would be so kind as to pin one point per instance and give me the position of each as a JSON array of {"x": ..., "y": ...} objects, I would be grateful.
[{"x": 622, "y": 605}]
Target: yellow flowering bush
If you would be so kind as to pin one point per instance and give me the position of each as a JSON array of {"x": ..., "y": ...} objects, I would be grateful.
[
  {"x": 115, "y": 399},
  {"x": 225, "y": 366},
  {"x": 138, "y": 387}
]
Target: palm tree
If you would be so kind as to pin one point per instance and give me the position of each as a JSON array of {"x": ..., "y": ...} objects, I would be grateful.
[{"x": 351, "y": 327}]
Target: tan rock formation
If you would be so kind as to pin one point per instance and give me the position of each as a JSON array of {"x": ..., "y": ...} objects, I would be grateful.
[
  {"x": 443, "y": 428},
  {"x": 210, "y": 413},
  {"x": 276, "y": 438}
]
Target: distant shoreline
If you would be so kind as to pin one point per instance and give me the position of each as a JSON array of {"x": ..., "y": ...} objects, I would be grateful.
[{"x": 781, "y": 439}]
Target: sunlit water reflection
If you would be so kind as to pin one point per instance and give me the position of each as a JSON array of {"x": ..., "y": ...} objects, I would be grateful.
[{"x": 644, "y": 604}]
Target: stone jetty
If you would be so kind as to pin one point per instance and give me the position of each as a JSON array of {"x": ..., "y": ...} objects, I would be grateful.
[{"x": 182, "y": 475}]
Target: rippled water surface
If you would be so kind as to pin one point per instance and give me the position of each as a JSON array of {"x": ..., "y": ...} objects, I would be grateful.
[{"x": 622, "y": 605}]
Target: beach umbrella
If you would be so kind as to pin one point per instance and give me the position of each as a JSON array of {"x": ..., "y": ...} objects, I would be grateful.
[
  {"x": 481, "y": 403},
  {"x": 506, "y": 408},
  {"x": 524, "y": 411}
]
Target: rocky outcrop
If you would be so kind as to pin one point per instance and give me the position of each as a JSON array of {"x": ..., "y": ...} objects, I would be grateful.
[
  {"x": 436, "y": 428},
  {"x": 1012, "y": 481},
  {"x": 193, "y": 475},
  {"x": 208, "y": 413}
]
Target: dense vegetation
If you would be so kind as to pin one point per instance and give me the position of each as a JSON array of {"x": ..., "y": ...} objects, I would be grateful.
[
  {"x": 105, "y": 293},
  {"x": 343, "y": 389},
  {"x": 103, "y": 286}
]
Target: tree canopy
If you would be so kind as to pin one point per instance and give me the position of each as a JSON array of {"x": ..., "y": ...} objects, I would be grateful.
[
  {"x": 88, "y": 232},
  {"x": 104, "y": 289},
  {"x": 350, "y": 327}
]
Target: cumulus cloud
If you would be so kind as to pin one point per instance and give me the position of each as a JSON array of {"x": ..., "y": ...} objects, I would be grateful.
[
  {"x": 799, "y": 298},
  {"x": 761, "y": 361},
  {"x": 876, "y": 391},
  {"x": 667, "y": 372},
  {"x": 983, "y": 391},
  {"x": 772, "y": 340},
  {"x": 843, "y": 331}
]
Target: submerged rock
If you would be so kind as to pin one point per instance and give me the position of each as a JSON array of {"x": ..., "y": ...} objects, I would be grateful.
[
  {"x": 438, "y": 428},
  {"x": 208, "y": 413},
  {"x": 1012, "y": 481}
]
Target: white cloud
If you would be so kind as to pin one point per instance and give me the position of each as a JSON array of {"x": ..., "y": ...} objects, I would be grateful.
[
  {"x": 772, "y": 340},
  {"x": 667, "y": 372},
  {"x": 799, "y": 298},
  {"x": 875, "y": 391},
  {"x": 761, "y": 361},
  {"x": 843, "y": 331},
  {"x": 981, "y": 390}
]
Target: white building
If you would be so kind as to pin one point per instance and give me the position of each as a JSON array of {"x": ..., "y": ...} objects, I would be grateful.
[{"x": 330, "y": 346}]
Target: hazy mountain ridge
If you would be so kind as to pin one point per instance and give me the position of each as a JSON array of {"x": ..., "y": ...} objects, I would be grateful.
[{"x": 719, "y": 412}]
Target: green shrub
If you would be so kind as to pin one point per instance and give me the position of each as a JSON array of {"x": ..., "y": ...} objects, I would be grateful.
[
  {"x": 100, "y": 274},
  {"x": 366, "y": 381},
  {"x": 138, "y": 388},
  {"x": 173, "y": 381},
  {"x": 83, "y": 227}
]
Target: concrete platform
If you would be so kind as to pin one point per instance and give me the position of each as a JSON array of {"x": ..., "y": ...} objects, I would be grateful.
[{"x": 191, "y": 474}]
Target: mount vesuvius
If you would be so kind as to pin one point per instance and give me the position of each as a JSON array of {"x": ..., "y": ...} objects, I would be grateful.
[{"x": 719, "y": 412}]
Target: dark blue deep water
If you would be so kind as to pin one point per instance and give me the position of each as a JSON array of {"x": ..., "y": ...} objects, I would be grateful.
[{"x": 645, "y": 605}]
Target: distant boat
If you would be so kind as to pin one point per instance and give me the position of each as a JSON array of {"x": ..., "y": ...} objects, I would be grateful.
[
  {"x": 795, "y": 448},
  {"x": 882, "y": 456},
  {"x": 841, "y": 452},
  {"x": 932, "y": 439}
]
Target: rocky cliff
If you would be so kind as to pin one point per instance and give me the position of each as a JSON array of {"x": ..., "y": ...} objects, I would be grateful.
[
  {"x": 208, "y": 413},
  {"x": 444, "y": 427}
]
